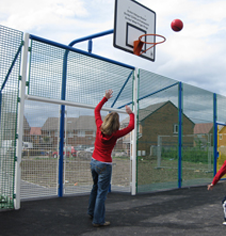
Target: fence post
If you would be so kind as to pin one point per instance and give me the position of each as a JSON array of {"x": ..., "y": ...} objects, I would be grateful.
[
  {"x": 215, "y": 132},
  {"x": 20, "y": 121},
  {"x": 134, "y": 133},
  {"x": 180, "y": 123}
]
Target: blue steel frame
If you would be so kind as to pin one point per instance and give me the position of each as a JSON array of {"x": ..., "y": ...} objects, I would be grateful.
[
  {"x": 64, "y": 79},
  {"x": 63, "y": 96},
  {"x": 150, "y": 94},
  {"x": 215, "y": 132},
  {"x": 180, "y": 130}
]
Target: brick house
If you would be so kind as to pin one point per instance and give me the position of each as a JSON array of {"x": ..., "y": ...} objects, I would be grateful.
[
  {"x": 80, "y": 131},
  {"x": 160, "y": 122},
  {"x": 203, "y": 134},
  {"x": 36, "y": 135}
]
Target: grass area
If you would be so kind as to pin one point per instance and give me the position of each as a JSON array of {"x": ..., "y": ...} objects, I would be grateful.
[
  {"x": 44, "y": 172},
  {"x": 148, "y": 172}
]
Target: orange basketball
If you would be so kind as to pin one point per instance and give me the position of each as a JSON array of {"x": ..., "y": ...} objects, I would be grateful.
[{"x": 177, "y": 25}]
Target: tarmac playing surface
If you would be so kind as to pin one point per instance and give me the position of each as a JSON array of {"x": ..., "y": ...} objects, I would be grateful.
[{"x": 188, "y": 211}]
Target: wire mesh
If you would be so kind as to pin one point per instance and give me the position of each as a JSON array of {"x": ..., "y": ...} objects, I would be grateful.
[
  {"x": 221, "y": 109},
  {"x": 10, "y": 44},
  {"x": 39, "y": 164},
  {"x": 157, "y": 133},
  {"x": 197, "y": 155},
  {"x": 86, "y": 80},
  {"x": 221, "y": 135},
  {"x": 81, "y": 132}
]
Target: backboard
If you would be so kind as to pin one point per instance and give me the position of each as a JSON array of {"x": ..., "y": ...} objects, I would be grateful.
[{"x": 132, "y": 20}]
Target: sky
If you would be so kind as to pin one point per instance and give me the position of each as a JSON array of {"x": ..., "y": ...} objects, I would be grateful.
[{"x": 195, "y": 55}]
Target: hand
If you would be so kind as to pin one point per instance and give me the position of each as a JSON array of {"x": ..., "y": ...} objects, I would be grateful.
[
  {"x": 128, "y": 110},
  {"x": 108, "y": 93},
  {"x": 210, "y": 187}
]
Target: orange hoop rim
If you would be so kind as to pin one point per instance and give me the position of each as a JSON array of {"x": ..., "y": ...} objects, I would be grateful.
[
  {"x": 158, "y": 35},
  {"x": 153, "y": 44}
]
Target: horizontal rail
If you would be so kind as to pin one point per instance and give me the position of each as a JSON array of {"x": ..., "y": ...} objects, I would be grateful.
[
  {"x": 219, "y": 123},
  {"x": 59, "y": 45},
  {"x": 67, "y": 103}
]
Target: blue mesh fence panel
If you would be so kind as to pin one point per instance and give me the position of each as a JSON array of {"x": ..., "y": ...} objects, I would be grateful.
[{"x": 10, "y": 55}]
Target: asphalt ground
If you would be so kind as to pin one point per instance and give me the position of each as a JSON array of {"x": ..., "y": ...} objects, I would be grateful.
[{"x": 188, "y": 211}]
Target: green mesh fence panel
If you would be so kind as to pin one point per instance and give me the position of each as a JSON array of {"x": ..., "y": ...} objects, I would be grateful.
[
  {"x": 197, "y": 157},
  {"x": 87, "y": 77},
  {"x": 221, "y": 109},
  {"x": 157, "y": 133},
  {"x": 10, "y": 43},
  {"x": 86, "y": 82},
  {"x": 39, "y": 166}
]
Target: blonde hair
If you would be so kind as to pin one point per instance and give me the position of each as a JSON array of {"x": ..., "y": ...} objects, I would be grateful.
[{"x": 110, "y": 123}]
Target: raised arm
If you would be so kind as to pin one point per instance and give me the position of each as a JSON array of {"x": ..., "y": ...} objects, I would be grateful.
[
  {"x": 130, "y": 126},
  {"x": 108, "y": 94}
]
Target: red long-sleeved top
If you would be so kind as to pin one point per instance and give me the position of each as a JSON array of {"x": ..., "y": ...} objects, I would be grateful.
[
  {"x": 219, "y": 174},
  {"x": 104, "y": 144}
]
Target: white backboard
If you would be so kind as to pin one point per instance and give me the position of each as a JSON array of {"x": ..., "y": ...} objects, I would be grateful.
[{"x": 132, "y": 20}]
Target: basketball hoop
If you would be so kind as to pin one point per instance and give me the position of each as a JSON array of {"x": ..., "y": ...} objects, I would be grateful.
[{"x": 138, "y": 44}]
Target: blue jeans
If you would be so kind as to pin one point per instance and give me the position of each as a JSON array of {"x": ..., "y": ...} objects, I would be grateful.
[{"x": 101, "y": 174}]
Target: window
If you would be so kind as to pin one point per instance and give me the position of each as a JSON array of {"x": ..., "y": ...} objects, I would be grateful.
[
  {"x": 70, "y": 134},
  {"x": 81, "y": 133},
  {"x": 175, "y": 129}
]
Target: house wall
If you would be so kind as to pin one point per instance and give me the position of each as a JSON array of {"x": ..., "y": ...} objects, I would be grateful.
[
  {"x": 162, "y": 122},
  {"x": 87, "y": 138},
  {"x": 222, "y": 137}
]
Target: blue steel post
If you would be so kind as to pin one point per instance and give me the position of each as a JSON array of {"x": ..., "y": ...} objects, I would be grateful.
[
  {"x": 180, "y": 122},
  {"x": 90, "y": 46},
  {"x": 63, "y": 91},
  {"x": 63, "y": 97},
  {"x": 215, "y": 133},
  {"x": 62, "y": 112}
]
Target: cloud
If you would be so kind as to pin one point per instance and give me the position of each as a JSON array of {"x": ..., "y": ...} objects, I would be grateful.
[
  {"x": 195, "y": 55},
  {"x": 26, "y": 15}
]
